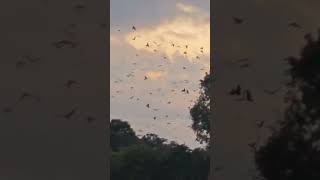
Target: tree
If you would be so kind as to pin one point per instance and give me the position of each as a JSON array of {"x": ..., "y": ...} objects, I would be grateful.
[
  {"x": 121, "y": 134},
  {"x": 200, "y": 112},
  {"x": 293, "y": 152},
  {"x": 150, "y": 158}
]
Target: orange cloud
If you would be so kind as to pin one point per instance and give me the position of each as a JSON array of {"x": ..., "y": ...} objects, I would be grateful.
[
  {"x": 154, "y": 75},
  {"x": 172, "y": 36}
]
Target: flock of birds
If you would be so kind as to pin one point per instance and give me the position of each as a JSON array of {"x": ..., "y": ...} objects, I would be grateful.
[
  {"x": 31, "y": 59},
  {"x": 176, "y": 90},
  {"x": 246, "y": 94}
]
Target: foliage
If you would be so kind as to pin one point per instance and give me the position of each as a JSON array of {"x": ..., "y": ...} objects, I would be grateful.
[
  {"x": 151, "y": 158},
  {"x": 200, "y": 112},
  {"x": 293, "y": 152}
]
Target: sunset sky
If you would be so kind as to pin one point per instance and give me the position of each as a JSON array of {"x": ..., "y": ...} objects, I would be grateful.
[{"x": 171, "y": 48}]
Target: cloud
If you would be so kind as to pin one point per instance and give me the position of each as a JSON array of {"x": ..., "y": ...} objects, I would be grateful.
[
  {"x": 154, "y": 75},
  {"x": 186, "y": 8},
  {"x": 171, "y": 37}
]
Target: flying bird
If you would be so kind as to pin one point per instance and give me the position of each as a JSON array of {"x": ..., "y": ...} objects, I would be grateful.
[
  {"x": 244, "y": 65},
  {"x": 253, "y": 146},
  {"x": 308, "y": 37},
  {"x": 260, "y": 125},
  {"x": 147, "y": 45},
  {"x": 294, "y": 25},
  {"x": 70, "y": 83},
  {"x": 26, "y": 95},
  {"x": 90, "y": 119},
  {"x": 64, "y": 43},
  {"x": 237, "y": 20},
  {"x": 236, "y": 91},
  {"x": 271, "y": 92},
  {"x": 70, "y": 114},
  {"x": 148, "y": 105},
  {"x": 134, "y": 28},
  {"x": 249, "y": 96},
  {"x": 145, "y": 77},
  {"x": 20, "y": 64},
  {"x": 31, "y": 59},
  {"x": 154, "y": 118}
]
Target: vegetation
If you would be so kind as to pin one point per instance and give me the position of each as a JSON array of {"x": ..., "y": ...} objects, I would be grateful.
[
  {"x": 293, "y": 152},
  {"x": 153, "y": 158}
]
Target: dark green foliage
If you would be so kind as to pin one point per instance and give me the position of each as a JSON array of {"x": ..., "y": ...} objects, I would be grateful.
[
  {"x": 200, "y": 112},
  {"x": 293, "y": 152},
  {"x": 151, "y": 158}
]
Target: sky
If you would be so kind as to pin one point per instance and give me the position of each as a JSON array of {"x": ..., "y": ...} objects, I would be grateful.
[{"x": 171, "y": 49}]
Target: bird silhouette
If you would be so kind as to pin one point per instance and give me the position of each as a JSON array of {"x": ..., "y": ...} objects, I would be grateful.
[
  {"x": 70, "y": 114},
  {"x": 145, "y": 77},
  {"x": 184, "y": 67},
  {"x": 147, "y": 45},
  {"x": 25, "y": 95},
  {"x": 248, "y": 96},
  {"x": 70, "y": 83},
  {"x": 308, "y": 37},
  {"x": 154, "y": 118},
  {"x": 90, "y": 119},
  {"x": 245, "y": 65},
  {"x": 20, "y": 64},
  {"x": 237, "y": 20},
  {"x": 260, "y": 124},
  {"x": 272, "y": 92},
  {"x": 134, "y": 28},
  {"x": 253, "y": 146},
  {"x": 294, "y": 25},
  {"x": 183, "y": 90},
  {"x": 148, "y": 105},
  {"x": 236, "y": 91},
  {"x": 31, "y": 59},
  {"x": 64, "y": 43}
]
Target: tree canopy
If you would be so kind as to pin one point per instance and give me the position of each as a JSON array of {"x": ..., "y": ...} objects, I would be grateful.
[
  {"x": 293, "y": 152},
  {"x": 153, "y": 158}
]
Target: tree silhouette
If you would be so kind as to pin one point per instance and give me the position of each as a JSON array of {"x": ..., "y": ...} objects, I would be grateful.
[
  {"x": 293, "y": 152},
  {"x": 200, "y": 112},
  {"x": 150, "y": 158}
]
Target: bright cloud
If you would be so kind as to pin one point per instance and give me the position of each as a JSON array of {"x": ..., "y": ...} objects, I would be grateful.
[
  {"x": 186, "y": 8},
  {"x": 154, "y": 75},
  {"x": 183, "y": 35}
]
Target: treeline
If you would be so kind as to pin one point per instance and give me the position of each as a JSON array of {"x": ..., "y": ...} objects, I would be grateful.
[{"x": 153, "y": 158}]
